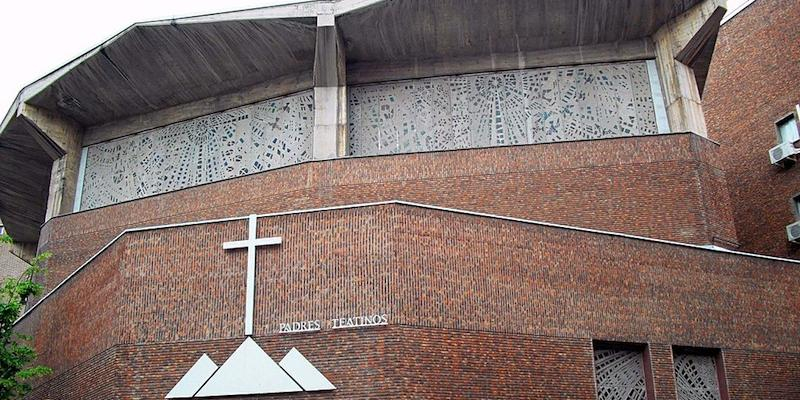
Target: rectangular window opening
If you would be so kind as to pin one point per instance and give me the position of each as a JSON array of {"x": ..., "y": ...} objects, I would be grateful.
[
  {"x": 699, "y": 374},
  {"x": 796, "y": 207},
  {"x": 787, "y": 129},
  {"x": 622, "y": 371}
]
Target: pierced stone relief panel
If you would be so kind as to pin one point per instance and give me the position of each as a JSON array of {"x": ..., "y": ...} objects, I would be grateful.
[
  {"x": 505, "y": 108},
  {"x": 696, "y": 377},
  {"x": 619, "y": 375},
  {"x": 232, "y": 143}
]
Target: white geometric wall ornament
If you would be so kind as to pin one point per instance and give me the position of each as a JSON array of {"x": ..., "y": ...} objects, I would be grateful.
[
  {"x": 502, "y": 108},
  {"x": 305, "y": 374},
  {"x": 194, "y": 379},
  {"x": 231, "y": 143},
  {"x": 250, "y": 371}
]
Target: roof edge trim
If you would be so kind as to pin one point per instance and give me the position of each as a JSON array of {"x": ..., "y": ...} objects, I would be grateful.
[{"x": 733, "y": 13}]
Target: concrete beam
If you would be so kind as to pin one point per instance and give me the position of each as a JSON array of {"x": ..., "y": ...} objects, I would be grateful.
[
  {"x": 361, "y": 73},
  {"x": 60, "y": 137},
  {"x": 681, "y": 92},
  {"x": 330, "y": 90}
]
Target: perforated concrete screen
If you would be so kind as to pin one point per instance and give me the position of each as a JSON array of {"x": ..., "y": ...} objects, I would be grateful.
[
  {"x": 696, "y": 377},
  {"x": 232, "y": 143},
  {"x": 619, "y": 375},
  {"x": 452, "y": 112},
  {"x": 503, "y": 108}
]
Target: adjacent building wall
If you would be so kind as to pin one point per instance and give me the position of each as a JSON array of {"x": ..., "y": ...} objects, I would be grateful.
[
  {"x": 11, "y": 265},
  {"x": 754, "y": 80}
]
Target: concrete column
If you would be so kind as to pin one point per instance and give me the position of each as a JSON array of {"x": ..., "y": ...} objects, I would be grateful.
[
  {"x": 681, "y": 94},
  {"x": 330, "y": 90},
  {"x": 60, "y": 137}
]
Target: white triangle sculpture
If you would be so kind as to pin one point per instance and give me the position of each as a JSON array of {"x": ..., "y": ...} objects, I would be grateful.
[
  {"x": 305, "y": 374},
  {"x": 194, "y": 379},
  {"x": 249, "y": 370}
]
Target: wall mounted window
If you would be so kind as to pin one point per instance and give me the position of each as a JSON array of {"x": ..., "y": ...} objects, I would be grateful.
[
  {"x": 787, "y": 129},
  {"x": 699, "y": 374},
  {"x": 622, "y": 371},
  {"x": 783, "y": 155},
  {"x": 793, "y": 229},
  {"x": 795, "y": 204}
]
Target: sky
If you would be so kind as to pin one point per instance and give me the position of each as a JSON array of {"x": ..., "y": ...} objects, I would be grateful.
[{"x": 39, "y": 36}]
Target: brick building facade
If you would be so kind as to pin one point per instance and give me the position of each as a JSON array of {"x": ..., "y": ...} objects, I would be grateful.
[
  {"x": 538, "y": 293},
  {"x": 665, "y": 187},
  {"x": 520, "y": 203},
  {"x": 753, "y": 83}
]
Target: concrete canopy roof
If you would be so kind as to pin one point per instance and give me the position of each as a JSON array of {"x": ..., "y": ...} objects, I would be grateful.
[
  {"x": 408, "y": 29},
  {"x": 154, "y": 66},
  {"x": 160, "y": 64}
]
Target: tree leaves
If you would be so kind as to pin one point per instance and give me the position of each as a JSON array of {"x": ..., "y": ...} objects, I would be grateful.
[{"x": 16, "y": 356}]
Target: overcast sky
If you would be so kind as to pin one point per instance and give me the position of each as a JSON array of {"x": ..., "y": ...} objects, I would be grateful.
[{"x": 38, "y": 36}]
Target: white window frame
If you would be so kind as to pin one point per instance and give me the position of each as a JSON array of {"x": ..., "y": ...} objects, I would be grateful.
[{"x": 793, "y": 116}]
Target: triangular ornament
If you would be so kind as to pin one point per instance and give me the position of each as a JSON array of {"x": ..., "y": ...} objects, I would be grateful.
[
  {"x": 194, "y": 379},
  {"x": 249, "y": 370},
  {"x": 305, "y": 374}
]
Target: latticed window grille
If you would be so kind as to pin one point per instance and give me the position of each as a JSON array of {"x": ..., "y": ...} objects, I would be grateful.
[
  {"x": 696, "y": 377},
  {"x": 227, "y": 144},
  {"x": 619, "y": 374},
  {"x": 502, "y": 108}
]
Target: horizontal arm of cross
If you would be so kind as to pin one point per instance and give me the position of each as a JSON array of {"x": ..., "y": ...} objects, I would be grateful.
[{"x": 243, "y": 244}]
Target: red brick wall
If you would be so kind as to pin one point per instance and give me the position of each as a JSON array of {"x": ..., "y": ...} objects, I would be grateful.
[
  {"x": 386, "y": 362},
  {"x": 82, "y": 319},
  {"x": 753, "y": 81},
  {"x": 762, "y": 375},
  {"x": 661, "y": 186},
  {"x": 430, "y": 270},
  {"x": 98, "y": 378},
  {"x": 405, "y": 362},
  {"x": 663, "y": 371}
]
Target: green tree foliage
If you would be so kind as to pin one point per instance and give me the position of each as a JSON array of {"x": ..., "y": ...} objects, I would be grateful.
[{"x": 16, "y": 357}]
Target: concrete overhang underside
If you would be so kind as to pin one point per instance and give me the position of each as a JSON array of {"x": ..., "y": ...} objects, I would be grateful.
[{"x": 155, "y": 66}]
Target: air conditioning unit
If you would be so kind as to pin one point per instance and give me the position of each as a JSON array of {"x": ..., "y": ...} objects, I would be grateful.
[
  {"x": 783, "y": 154},
  {"x": 793, "y": 232}
]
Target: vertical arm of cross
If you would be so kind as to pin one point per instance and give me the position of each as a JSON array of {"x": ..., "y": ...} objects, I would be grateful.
[
  {"x": 251, "y": 275},
  {"x": 250, "y": 244}
]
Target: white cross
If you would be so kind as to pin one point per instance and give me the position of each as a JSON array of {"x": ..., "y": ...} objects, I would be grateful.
[{"x": 250, "y": 244}]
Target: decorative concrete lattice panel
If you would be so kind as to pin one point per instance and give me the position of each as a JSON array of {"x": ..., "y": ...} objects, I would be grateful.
[
  {"x": 506, "y": 108},
  {"x": 696, "y": 377},
  {"x": 232, "y": 143},
  {"x": 619, "y": 374}
]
